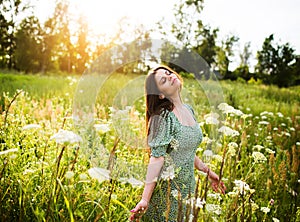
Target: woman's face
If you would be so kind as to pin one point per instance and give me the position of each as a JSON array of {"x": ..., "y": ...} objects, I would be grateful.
[{"x": 167, "y": 82}]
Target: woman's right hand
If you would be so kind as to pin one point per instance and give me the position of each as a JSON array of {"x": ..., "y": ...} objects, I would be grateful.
[{"x": 139, "y": 210}]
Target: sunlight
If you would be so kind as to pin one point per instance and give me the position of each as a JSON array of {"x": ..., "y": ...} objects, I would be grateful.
[{"x": 103, "y": 16}]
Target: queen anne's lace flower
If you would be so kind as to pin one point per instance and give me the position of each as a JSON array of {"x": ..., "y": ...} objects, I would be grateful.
[
  {"x": 66, "y": 136},
  {"x": 227, "y": 131},
  {"x": 99, "y": 173},
  {"x": 258, "y": 157},
  {"x": 168, "y": 174}
]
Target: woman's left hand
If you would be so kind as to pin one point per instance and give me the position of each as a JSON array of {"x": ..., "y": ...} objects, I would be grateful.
[{"x": 217, "y": 185}]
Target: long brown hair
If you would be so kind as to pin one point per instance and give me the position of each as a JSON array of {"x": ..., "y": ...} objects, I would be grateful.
[{"x": 154, "y": 104}]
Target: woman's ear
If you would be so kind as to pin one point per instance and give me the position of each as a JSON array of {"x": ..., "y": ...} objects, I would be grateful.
[{"x": 161, "y": 96}]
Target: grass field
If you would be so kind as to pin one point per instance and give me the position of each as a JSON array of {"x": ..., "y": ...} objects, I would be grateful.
[{"x": 53, "y": 170}]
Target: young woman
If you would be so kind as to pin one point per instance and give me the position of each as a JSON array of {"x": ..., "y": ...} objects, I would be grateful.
[{"x": 173, "y": 137}]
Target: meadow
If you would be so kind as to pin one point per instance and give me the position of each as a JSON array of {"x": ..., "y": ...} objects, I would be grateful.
[{"x": 54, "y": 169}]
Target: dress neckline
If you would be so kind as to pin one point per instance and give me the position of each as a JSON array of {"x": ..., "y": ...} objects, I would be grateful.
[{"x": 194, "y": 125}]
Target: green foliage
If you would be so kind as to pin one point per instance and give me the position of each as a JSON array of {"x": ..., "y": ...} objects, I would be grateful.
[{"x": 275, "y": 63}]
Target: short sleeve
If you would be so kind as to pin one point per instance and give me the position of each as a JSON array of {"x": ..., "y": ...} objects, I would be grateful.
[{"x": 160, "y": 134}]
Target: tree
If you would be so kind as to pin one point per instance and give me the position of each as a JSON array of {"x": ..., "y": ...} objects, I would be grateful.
[
  {"x": 29, "y": 46},
  {"x": 224, "y": 53},
  {"x": 275, "y": 63},
  {"x": 8, "y": 13}
]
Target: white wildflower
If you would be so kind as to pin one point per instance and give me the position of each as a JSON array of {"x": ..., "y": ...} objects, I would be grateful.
[
  {"x": 258, "y": 157},
  {"x": 134, "y": 182},
  {"x": 269, "y": 150},
  {"x": 265, "y": 209},
  {"x": 69, "y": 175},
  {"x": 83, "y": 177},
  {"x": 31, "y": 126},
  {"x": 211, "y": 121},
  {"x": 287, "y": 134},
  {"x": 258, "y": 147},
  {"x": 297, "y": 143},
  {"x": 292, "y": 129},
  {"x": 200, "y": 203},
  {"x": 218, "y": 157},
  {"x": 168, "y": 173},
  {"x": 263, "y": 122},
  {"x": 207, "y": 155},
  {"x": 99, "y": 173},
  {"x": 175, "y": 194},
  {"x": 231, "y": 148},
  {"x": 102, "y": 128},
  {"x": 228, "y": 131},
  {"x": 275, "y": 219},
  {"x": 216, "y": 196},
  {"x": 174, "y": 144},
  {"x": 279, "y": 114},
  {"x": 241, "y": 187},
  {"x": 191, "y": 217},
  {"x": 28, "y": 171},
  {"x": 213, "y": 208},
  {"x": 66, "y": 136},
  {"x": 9, "y": 151},
  {"x": 206, "y": 140},
  {"x": 212, "y": 118}
]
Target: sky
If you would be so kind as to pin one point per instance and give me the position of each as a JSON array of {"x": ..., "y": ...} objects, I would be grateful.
[{"x": 251, "y": 20}]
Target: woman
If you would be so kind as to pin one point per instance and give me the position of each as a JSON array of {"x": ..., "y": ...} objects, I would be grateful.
[{"x": 173, "y": 137}]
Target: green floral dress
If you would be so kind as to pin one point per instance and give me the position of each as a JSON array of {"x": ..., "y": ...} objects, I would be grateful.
[{"x": 178, "y": 144}]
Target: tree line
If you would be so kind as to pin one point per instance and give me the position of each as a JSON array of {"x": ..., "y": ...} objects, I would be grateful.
[{"x": 30, "y": 46}]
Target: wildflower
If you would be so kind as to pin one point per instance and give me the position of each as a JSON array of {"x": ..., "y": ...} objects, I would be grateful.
[
  {"x": 8, "y": 151},
  {"x": 258, "y": 157},
  {"x": 241, "y": 187},
  {"x": 213, "y": 208},
  {"x": 270, "y": 151},
  {"x": 69, "y": 175},
  {"x": 227, "y": 109},
  {"x": 287, "y": 134},
  {"x": 216, "y": 196},
  {"x": 83, "y": 177},
  {"x": 218, "y": 157},
  {"x": 297, "y": 143},
  {"x": 212, "y": 118},
  {"x": 232, "y": 146},
  {"x": 279, "y": 114},
  {"x": 175, "y": 193},
  {"x": 211, "y": 121},
  {"x": 271, "y": 202},
  {"x": 206, "y": 140},
  {"x": 28, "y": 171},
  {"x": 207, "y": 154},
  {"x": 102, "y": 128},
  {"x": 275, "y": 219},
  {"x": 169, "y": 173},
  {"x": 263, "y": 123},
  {"x": 191, "y": 217},
  {"x": 275, "y": 128},
  {"x": 99, "y": 173},
  {"x": 31, "y": 126},
  {"x": 228, "y": 131},
  {"x": 134, "y": 182},
  {"x": 265, "y": 209},
  {"x": 258, "y": 147},
  {"x": 292, "y": 129},
  {"x": 66, "y": 136},
  {"x": 174, "y": 144}
]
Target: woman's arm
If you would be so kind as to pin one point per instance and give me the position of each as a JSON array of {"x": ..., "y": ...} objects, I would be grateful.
[
  {"x": 217, "y": 185},
  {"x": 154, "y": 168}
]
